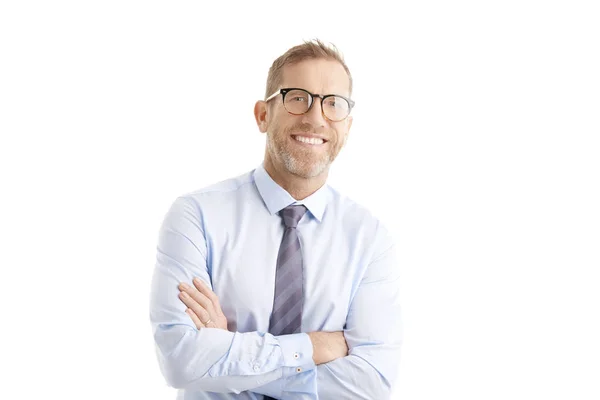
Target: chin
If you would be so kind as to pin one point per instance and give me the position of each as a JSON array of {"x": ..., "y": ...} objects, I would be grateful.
[{"x": 306, "y": 171}]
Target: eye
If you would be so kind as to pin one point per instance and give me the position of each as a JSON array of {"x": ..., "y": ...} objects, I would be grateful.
[
  {"x": 336, "y": 103},
  {"x": 297, "y": 96}
]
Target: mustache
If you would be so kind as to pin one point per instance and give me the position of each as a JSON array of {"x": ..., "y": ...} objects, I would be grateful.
[
  {"x": 305, "y": 128},
  {"x": 301, "y": 127}
]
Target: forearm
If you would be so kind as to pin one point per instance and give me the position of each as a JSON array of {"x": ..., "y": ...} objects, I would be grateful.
[
  {"x": 327, "y": 346},
  {"x": 215, "y": 360},
  {"x": 219, "y": 361},
  {"x": 350, "y": 377}
]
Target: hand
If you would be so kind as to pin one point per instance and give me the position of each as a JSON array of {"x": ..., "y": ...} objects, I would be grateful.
[
  {"x": 203, "y": 305},
  {"x": 328, "y": 346}
]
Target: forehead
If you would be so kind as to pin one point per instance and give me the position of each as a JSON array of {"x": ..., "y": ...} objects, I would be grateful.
[{"x": 317, "y": 76}]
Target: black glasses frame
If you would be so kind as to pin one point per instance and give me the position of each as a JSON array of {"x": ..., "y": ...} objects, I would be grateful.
[{"x": 312, "y": 96}]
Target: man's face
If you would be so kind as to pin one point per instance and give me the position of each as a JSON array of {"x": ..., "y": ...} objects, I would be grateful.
[{"x": 286, "y": 131}]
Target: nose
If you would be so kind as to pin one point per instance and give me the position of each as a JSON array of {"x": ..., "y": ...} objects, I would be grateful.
[{"x": 315, "y": 116}]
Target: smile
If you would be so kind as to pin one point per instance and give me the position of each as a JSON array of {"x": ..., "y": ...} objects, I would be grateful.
[{"x": 309, "y": 140}]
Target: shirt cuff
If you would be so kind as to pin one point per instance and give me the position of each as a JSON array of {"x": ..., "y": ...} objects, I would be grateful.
[{"x": 297, "y": 352}]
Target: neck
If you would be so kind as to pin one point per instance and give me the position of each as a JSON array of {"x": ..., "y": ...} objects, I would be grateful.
[{"x": 297, "y": 186}]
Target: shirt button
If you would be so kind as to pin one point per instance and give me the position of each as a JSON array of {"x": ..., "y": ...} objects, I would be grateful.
[
  {"x": 298, "y": 369},
  {"x": 296, "y": 356},
  {"x": 256, "y": 367}
]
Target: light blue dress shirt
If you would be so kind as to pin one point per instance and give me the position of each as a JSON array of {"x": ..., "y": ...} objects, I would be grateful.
[{"x": 229, "y": 234}]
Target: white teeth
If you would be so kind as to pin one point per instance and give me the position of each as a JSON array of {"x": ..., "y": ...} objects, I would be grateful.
[{"x": 309, "y": 140}]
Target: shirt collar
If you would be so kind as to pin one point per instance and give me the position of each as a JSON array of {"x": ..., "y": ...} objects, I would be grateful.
[{"x": 277, "y": 198}]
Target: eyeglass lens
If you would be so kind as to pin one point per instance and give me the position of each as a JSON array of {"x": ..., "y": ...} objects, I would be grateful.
[{"x": 299, "y": 101}]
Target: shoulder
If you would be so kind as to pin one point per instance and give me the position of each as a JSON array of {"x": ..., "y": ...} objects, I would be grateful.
[
  {"x": 217, "y": 195},
  {"x": 349, "y": 209},
  {"x": 356, "y": 217},
  {"x": 227, "y": 187}
]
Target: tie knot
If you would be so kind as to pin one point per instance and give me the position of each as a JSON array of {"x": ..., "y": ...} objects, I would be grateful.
[{"x": 292, "y": 214}]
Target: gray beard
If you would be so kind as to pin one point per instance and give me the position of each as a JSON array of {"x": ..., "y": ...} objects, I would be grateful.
[
  {"x": 295, "y": 166},
  {"x": 299, "y": 167}
]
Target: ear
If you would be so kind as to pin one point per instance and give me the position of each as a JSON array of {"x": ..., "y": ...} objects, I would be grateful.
[
  {"x": 349, "y": 124},
  {"x": 260, "y": 114}
]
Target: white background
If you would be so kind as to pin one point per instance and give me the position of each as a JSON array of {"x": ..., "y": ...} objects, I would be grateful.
[{"x": 475, "y": 139}]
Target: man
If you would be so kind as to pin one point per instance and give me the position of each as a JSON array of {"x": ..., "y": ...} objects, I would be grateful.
[{"x": 272, "y": 284}]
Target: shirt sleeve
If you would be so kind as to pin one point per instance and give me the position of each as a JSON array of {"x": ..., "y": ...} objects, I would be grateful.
[
  {"x": 209, "y": 359},
  {"x": 373, "y": 332}
]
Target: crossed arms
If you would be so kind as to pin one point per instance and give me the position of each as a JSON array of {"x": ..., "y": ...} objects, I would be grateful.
[{"x": 314, "y": 365}]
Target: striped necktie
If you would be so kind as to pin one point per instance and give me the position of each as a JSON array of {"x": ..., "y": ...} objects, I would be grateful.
[{"x": 286, "y": 317}]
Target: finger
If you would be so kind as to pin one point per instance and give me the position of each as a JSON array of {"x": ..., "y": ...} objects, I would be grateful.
[
  {"x": 210, "y": 295},
  {"x": 200, "y": 298},
  {"x": 194, "y": 306},
  {"x": 211, "y": 324},
  {"x": 194, "y": 318}
]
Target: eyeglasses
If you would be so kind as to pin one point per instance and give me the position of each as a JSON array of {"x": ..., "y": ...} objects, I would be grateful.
[{"x": 299, "y": 101}]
